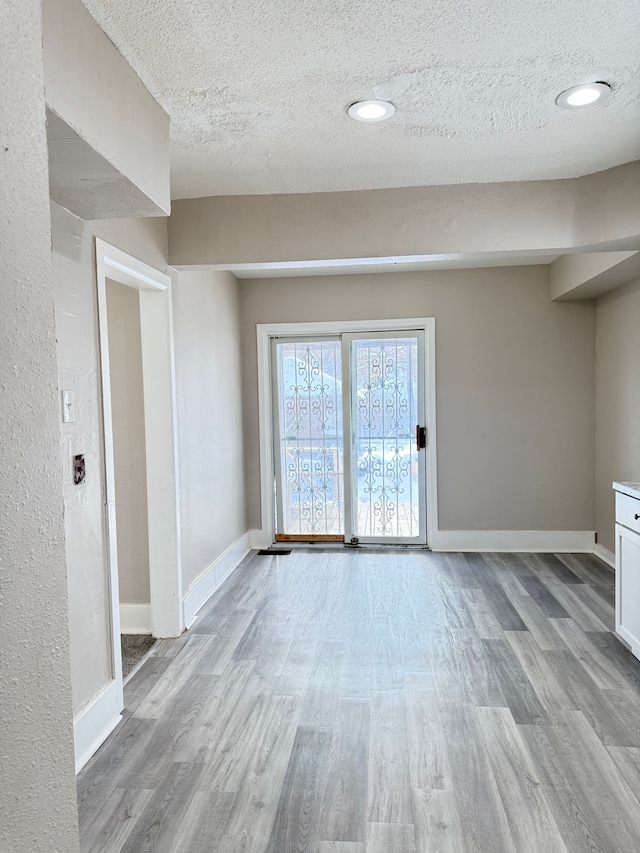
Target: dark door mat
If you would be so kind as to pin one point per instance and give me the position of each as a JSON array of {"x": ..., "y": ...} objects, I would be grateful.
[
  {"x": 134, "y": 648},
  {"x": 267, "y": 552}
]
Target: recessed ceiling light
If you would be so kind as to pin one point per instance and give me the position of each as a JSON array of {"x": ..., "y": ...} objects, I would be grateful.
[
  {"x": 371, "y": 110},
  {"x": 584, "y": 96}
]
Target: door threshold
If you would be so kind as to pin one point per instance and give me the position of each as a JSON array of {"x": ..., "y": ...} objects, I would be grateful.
[
  {"x": 320, "y": 538},
  {"x": 341, "y": 546},
  {"x": 310, "y": 543}
]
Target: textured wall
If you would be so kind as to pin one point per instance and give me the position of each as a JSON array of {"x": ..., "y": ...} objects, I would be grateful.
[
  {"x": 127, "y": 409},
  {"x": 37, "y": 784},
  {"x": 78, "y": 358},
  {"x": 208, "y": 387},
  {"x": 617, "y": 400},
  {"x": 515, "y": 386},
  {"x": 79, "y": 370}
]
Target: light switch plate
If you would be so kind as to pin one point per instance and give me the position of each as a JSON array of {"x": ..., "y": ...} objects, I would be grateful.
[{"x": 68, "y": 407}]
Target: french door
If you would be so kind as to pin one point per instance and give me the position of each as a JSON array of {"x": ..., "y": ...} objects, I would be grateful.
[{"x": 349, "y": 437}]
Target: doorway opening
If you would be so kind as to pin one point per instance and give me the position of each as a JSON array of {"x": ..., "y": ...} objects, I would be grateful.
[
  {"x": 130, "y": 472},
  {"x": 141, "y": 495},
  {"x": 345, "y": 418}
]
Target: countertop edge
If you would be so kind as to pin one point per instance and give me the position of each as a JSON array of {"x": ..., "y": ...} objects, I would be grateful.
[{"x": 630, "y": 489}]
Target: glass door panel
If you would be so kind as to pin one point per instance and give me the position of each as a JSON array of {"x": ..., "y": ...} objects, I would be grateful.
[
  {"x": 309, "y": 438},
  {"x": 387, "y": 469},
  {"x": 371, "y": 388}
]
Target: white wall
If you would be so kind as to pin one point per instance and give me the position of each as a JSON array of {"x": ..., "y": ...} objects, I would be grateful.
[
  {"x": 127, "y": 410},
  {"x": 546, "y": 217},
  {"x": 95, "y": 91},
  {"x": 586, "y": 275},
  {"x": 78, "y": 371},
  {"x": 210, "y": 433},
  {"x": 37, "y": 785},
  {"x": 145, "y": 239},
  {"x": 77, "y": 334},
  {"x": 515, "y": 386},
  {"x": 617, "y": 400}
]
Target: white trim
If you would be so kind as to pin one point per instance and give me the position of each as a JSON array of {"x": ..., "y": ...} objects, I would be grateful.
[
  {"x": 386, "y": 263},
  {"x": 430, "y": 423},
  {"x": 532, "y": 541},
  {"x": 259, "y": 539},
  {"x": 130, "y": 271},
  {"x": 95, "y": 723},
  {"x": 114, "y": 603},
  {"x": 203, "y": 587},
  {"x": 156, "y": 327},
  {"x": 265, "y": 331},
  {"x": 135, "y": 618},
  {"x": 605, "y": 555}
]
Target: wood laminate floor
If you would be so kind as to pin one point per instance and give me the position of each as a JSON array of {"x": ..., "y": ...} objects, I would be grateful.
[{"x": 402, "y": 702}]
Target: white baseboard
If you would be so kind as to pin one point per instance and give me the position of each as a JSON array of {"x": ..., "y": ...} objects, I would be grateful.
[
  {"x": 135, "y": 618},
  {"x": 540, "y": 541},
  {"x": 94, "y": 725},
  {"x": 605, "y": 555},
  {"x": 203, "y": 587},
  {"x": 259, "y": 539}
]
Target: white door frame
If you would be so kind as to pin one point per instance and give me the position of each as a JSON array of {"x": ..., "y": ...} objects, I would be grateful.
[
  {"x": 156, "y": 326},
  {"x": 266, "y": 331}
]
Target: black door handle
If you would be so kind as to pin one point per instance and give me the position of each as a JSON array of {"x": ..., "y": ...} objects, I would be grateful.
[{"x": 421, "y": 437}]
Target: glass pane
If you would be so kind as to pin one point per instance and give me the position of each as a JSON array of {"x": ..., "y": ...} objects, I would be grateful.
[
  {"x": 385, "y": 414},
  {"x": 311, "y": 446}
]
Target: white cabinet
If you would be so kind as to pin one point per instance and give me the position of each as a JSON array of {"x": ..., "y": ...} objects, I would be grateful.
[{"x": 628, "y": 570}]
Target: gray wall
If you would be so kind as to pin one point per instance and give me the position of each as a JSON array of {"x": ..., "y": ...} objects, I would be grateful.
[
  {"x": 37, "y": 784},
  {"x": 617, "y": 400},
  {"x": 206, "y": 316},
  {"x": 515, "y": 386},
  {"x": 127, "y": 409}
]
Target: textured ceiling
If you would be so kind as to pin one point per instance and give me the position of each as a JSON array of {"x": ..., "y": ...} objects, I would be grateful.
[{"x": 257, "y": 90}]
